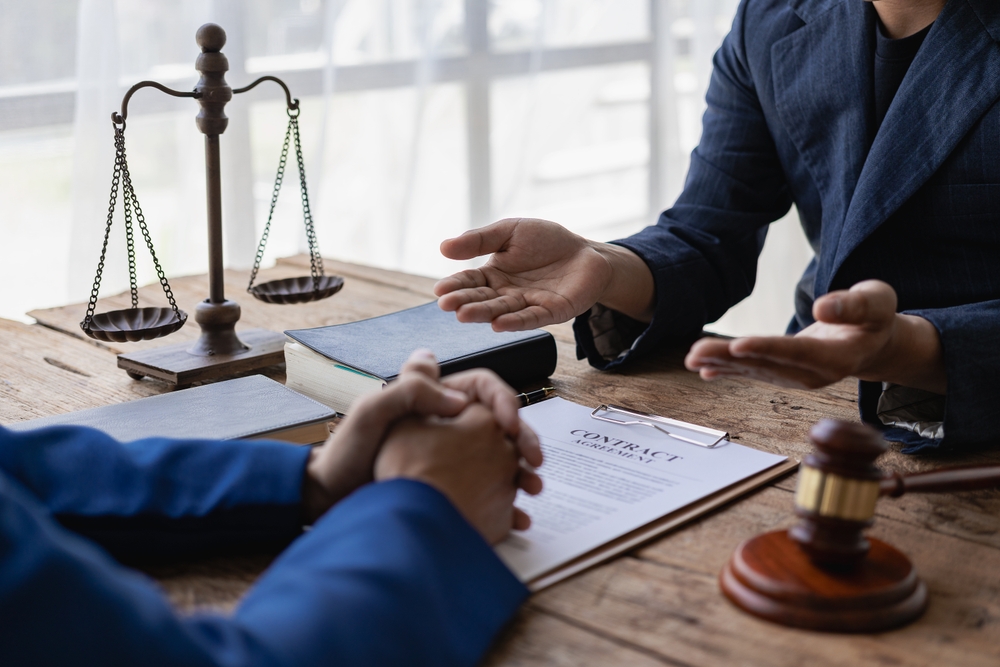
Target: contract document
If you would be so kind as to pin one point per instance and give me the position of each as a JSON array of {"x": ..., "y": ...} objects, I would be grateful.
[{"x": 604, "y": 480}]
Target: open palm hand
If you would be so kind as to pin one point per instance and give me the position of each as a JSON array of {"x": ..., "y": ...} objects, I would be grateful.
[
  {"x": 539, "y": 273},
  {"x": 856, "y": 334}
]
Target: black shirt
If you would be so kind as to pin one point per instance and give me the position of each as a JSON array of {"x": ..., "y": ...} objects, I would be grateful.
[{"x": 892, "y": 58}]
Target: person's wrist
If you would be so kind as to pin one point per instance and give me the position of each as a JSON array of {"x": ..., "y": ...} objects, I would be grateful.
[
  {"x": 923, "y": 364},
  {"x": 912, "y": 357},
  {"x": 630, "y": 288},
  {"x": 316, "y": 497}
]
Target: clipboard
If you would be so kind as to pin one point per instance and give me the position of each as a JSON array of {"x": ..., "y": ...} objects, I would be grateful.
[
  {"x": 693, "y": 434},
  {"x": 659, "y": 527},
  {"x": 672, "y": 428}
]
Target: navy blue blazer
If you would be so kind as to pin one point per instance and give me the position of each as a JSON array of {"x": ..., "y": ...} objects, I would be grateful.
[
  {"x": 393, "y": 575},
  {"x": 790, "y": 120}
]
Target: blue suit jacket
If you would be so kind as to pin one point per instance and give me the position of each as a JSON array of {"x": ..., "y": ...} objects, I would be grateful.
[
  {"x": 392, "y": 575},
  {"x": 790, "y": 119}
]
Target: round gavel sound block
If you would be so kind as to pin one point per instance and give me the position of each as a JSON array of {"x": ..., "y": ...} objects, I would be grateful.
[
  {"x": 771, "y": 577},
  {"x": 824, "y": 574}
]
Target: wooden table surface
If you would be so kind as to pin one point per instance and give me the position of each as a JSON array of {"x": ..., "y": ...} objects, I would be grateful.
[{"x": 659, "y": 605}]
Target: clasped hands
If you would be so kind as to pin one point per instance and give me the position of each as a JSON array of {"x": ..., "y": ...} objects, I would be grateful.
[
  {"x": 461, "y": 435},
  {"x": 540, "y": 273}
]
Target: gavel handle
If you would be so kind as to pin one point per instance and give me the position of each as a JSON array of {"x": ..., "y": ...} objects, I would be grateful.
[{"x": 954, "y": 479}]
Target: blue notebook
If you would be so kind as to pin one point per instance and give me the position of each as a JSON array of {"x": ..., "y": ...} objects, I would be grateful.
[{"x": 337, "y": 364}]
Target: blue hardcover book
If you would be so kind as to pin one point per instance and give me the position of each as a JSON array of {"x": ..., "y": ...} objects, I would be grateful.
[{"x": 337, "y": 364}]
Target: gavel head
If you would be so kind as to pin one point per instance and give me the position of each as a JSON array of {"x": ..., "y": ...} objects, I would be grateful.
[{"x": 837, "y": 492}]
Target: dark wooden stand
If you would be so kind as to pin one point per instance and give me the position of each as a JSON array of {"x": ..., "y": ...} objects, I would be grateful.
[
  {"x": 178, "y": 365},
  {"x": 771, "y": 577},
  {"x": 219, "y": 352},
  {"x": 825, "y": 573}
]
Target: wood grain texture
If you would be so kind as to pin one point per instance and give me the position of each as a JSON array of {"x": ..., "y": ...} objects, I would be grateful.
[
  {"x": 680, "y": 614},
  {"x": 43, "y": 372},
  {"x": 537, "y": 638},
  {"x": 660, "y": 604}
]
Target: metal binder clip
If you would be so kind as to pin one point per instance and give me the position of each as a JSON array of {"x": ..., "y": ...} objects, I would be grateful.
[{"x": 709, "y": 436}]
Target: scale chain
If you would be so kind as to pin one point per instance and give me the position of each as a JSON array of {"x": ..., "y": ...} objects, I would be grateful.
[
  {"x": 121, "y": 178},
  {"x": 274, "y": 201},
  {"x": 129, "y": 236},
  {"x": 113, "y": 201},
  {"x": 128, "y": 192},
  {"x": 315, "y": 260}
]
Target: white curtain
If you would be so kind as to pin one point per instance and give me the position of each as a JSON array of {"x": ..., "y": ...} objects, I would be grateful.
[
  {"x": 98, "y": 67},
  {"x": 393, "y": 162}
]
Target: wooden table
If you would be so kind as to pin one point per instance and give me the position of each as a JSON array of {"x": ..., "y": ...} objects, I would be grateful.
[{"x": 660, "y": 605}]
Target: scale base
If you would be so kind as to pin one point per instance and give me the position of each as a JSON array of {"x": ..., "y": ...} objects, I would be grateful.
[
  {"x": 175, "y": 365},
  {"x": 771, "y": 577}
]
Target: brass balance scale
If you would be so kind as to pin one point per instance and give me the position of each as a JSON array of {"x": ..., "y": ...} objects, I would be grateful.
[{"x": 219, "y": 352}]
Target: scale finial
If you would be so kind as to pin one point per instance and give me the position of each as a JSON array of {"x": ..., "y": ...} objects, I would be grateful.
[{"x": 211, "y": 38}]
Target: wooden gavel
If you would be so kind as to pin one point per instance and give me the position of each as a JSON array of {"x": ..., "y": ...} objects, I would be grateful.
[
  {"x": 839, "y": 486},
  {"x": 824, "y": 573}
]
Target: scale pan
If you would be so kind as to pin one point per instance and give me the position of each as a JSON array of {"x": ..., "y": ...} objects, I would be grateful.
[
  {"x": 297, "y": 290},
  {"x": 133, "y": 324}
]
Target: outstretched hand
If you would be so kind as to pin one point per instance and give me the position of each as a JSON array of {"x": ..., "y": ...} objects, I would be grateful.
[
  {"x": 857, "y": 333},
  {"x": 540, "y": 273}
]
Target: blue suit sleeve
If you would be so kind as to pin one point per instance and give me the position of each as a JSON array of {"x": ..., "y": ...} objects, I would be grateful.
[
  {"x": 160, "y": 497},
  {"x": 703, "y": 251},
  {"x": 391, "y": 576},
  {"x": 972, "y": 364}
]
